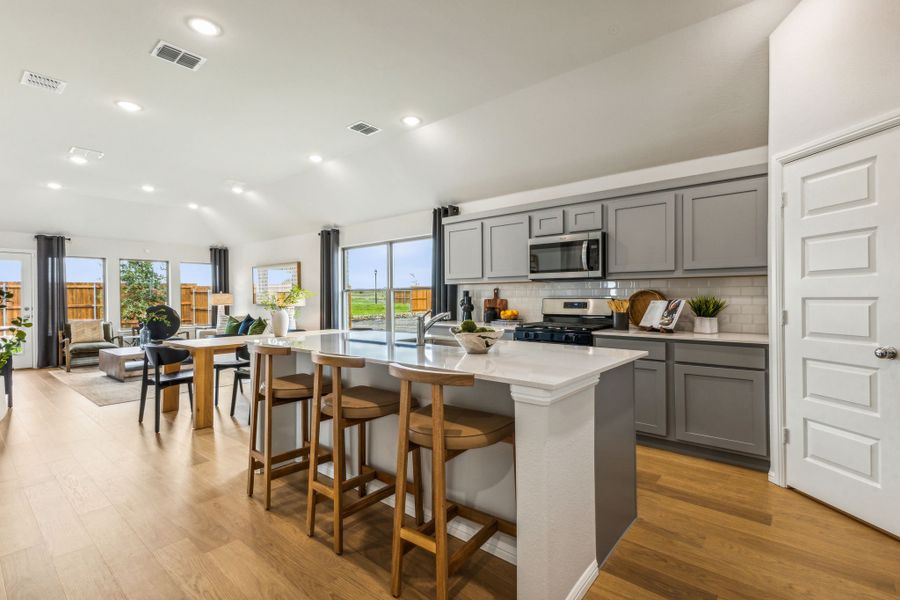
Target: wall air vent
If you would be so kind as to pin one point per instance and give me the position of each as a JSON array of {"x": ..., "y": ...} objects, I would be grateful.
[
  {"x": 363, "y": 128},
  {"x": 173, "y": 54},
  {"x": 43, "y": 82}
]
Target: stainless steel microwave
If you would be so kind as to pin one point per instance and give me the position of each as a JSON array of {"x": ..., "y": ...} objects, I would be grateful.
[{"x": 573, "y": 256}]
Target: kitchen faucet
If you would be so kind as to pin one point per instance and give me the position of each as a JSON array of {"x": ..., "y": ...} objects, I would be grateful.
[{"x": 422, "y": 326}]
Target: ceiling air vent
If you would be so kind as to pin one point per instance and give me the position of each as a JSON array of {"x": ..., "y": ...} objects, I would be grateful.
[
  {"x": 43, "y": 82},
  {"x": 179, "y": 56},
  {"x": 363, "y": 128}
]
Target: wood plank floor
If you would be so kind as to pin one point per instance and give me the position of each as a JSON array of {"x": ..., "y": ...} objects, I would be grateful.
[{"x": 94, "y": 506}]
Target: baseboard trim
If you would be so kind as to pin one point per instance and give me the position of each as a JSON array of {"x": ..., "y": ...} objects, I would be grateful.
[
  {"x": 584, "y": 582},
  {"x": 501, "y": 545}
]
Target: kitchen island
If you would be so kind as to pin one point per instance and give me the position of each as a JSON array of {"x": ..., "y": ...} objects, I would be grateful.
[{"x": 572, "y": 491}]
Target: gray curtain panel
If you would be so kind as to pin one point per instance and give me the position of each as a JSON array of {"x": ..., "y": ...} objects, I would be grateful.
[
  {"x": 443, "y": 296},
  {"x": 329, "y": 296},
  {"x": 218, "y": 258},
  {"x": 51, "y": 297}
]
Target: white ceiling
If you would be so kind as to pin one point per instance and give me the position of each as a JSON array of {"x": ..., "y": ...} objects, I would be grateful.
[{"x": 514, "y": 94}]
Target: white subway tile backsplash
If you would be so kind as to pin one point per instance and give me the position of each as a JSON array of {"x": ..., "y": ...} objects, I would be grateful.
[{"x": 746, "y": 297}]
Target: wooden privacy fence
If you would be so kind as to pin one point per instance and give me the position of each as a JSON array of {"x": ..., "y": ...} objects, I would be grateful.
[
  {"x": 419, "y": 299},
  {"x": 84, "y": 300}
]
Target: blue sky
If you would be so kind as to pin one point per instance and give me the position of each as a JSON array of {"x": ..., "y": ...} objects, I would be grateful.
[
  {"x": 90, "y": 270},
  {"x": 412, "y": 265},
  {"x": 10, "y": 270}
]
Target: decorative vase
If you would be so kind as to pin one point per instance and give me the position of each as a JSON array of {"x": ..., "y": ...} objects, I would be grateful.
[
  {"x": 706, "y": 325},
  {"x": 620, "y": 321},
  {"x": 280, "y": 323},
  {"x": 144, "y": 336}
]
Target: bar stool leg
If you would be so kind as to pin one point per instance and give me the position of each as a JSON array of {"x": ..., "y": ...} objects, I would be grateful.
[
  {"x": 439, "y": 504},
  {"x": 418, "y": 491},
  {"x": 311, "y": 494},
  {"x": 267, "y": 432},
  {"x": 361, "y": 457},
  {"x": 339, "y": 468},
  {"x": 400, "y": 487},
  {"x": 254, "y": 419}
]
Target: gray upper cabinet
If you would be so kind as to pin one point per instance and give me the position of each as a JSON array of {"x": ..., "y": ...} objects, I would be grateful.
[
  {"x": 584, "y": 217},
  {"x": 506, "y": 246},
  {"x": 721, "y": 407},
  {"x": 641, "y": 234},
  {"x": 547, "y": 222},
  {"x": 650, "y": 397},
  {"x": 724, "y": 225},
  {"x": 462, "y": 251}
]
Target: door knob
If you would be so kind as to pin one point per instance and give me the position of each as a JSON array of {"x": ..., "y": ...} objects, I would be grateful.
[{"x": 886, "y": 352}]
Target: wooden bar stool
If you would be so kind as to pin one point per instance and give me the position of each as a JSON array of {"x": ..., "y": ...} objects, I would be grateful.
[
  {"x": 354, "y": 406},
  {"x": 276, "y": 391},
  {"x": 448, "y": 431}
]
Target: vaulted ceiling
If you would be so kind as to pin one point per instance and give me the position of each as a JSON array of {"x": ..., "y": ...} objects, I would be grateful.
[{"x": 513, "y": 94}]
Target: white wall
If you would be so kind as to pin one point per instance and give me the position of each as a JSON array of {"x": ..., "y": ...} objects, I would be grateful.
[
  {"x": 833, "y": 64},
  {"x": 112, "y": 250}
]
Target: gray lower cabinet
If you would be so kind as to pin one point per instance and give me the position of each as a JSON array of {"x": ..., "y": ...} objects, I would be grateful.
[
  {"x": 725, "y": 225},
  {"x": 721, "y": 407},
  {"x": 462, "y": 250},
  {"x": 641, "y": 234},
  {"x": 506, "y": 246},
  {"x": 584, "y": 217},
  {"x": 547, "y": 222},
  {"x": 650, "y": 397}
]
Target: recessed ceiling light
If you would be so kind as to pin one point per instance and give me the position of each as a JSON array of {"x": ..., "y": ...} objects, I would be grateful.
[
  {"x": 78, "y": 160},
  {"x": 204, "y": 26},
  {"x": 54, "y": 186},
  {"x": 193, "y": 206},
  {"x": 237, "y": 189},
  {"x": 148, "y": 188},
  {"x": 129, "y": 106},
  {"x": 411, "y": 121},
  {"x": 315, "y": 158}
]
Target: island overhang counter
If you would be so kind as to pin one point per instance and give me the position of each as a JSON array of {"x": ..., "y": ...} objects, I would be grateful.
[{"x": 572, "y": 493}]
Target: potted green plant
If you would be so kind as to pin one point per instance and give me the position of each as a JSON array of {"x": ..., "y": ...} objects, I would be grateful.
[
  {"x": 706, "y": 309},
  {"x": 278, "y": 303},
  {"x": 11, "y": 338}
]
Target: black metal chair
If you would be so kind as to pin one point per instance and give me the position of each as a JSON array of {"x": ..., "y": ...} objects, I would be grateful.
[
  {"x": 6, "y": 372},
  {"x": 241, "y": 359},
  {"x": 159, "y": 356},
  {"x": 241, "y": 374}
]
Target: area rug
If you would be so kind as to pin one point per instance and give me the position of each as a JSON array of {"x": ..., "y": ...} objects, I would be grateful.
[{"x": 94, "y": 385}]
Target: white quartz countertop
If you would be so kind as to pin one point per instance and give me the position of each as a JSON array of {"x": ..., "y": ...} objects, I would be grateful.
[
  {"x": 544, "y": 366},
  {"x": 687, "y": 336}
]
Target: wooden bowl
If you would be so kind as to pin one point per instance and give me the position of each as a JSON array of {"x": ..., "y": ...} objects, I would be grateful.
[{"x": 638, "y": 303}]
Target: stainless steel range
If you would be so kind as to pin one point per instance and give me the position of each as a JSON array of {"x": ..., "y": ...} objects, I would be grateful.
[{"x": 567, "y": 321}]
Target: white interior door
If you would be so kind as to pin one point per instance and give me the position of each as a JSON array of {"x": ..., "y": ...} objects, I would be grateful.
[
  {"x": 842, "y": 295},
  {"x": 15, "y": 276}
]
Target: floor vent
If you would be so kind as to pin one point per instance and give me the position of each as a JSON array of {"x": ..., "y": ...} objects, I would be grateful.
[
  {"x": 173, "y": 54},
  {"x": 363, "y": 128},
  {"x": 43, "y": 82}
]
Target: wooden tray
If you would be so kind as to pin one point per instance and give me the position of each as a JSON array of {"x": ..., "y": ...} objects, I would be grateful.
[{"x": 638, "y": 303}]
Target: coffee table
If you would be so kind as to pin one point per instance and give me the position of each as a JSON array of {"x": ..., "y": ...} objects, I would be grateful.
[{"x": 122, "y": 363}]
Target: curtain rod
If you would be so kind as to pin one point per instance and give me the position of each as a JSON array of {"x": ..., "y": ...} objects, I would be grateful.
[{"x": 68, "y": 239}]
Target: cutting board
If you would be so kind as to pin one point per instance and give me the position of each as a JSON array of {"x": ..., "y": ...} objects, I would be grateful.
[{"x": 496, "y": 302}]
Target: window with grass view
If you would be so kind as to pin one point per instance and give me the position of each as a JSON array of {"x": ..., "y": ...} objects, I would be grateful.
[
  {"x": 143, "y": 283},
  {"x": 387, "y": 285},
  {"x": 85, "y": 278},
  {"x": 196, "y": 286}
]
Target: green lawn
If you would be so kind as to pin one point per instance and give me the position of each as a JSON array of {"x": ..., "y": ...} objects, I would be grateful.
[{"x": 362, "y": 305}]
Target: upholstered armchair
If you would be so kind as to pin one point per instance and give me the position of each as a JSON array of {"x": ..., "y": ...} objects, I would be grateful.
[{"x": 85, "y": 338}]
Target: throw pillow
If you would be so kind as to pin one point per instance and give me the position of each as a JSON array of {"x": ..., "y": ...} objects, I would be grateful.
[
  {"x": 232, "y": 326},
  {"x": 245, "y": 325},
  {"x": 86, "y": 331},
  {"x": 258, "y": 327}
]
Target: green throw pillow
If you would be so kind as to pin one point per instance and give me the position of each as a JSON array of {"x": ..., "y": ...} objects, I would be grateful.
[
  {"x": 231, "y": 327},
  {"x": 258, "y": 327}
]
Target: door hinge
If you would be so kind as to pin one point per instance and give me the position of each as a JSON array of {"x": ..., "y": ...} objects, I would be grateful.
[
  {"x": 784, "y": 317},
  {"x": 783, "y": 199},
  {"x": 785, "y": 436}
]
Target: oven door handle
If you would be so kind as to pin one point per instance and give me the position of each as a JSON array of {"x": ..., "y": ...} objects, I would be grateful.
[{"x": 584, "y": 255}]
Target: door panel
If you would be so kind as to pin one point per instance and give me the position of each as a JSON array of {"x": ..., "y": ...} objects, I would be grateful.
[
  {"x": 584, "y": 217},
  {"x": 16, "y": 277},
  {"x": 842, "y": 239},
  {"x": 547, "y": 222},
  {"x": 506, "y": 246},
  {"x": 642, "y": 234},
  {"x": 650, "y": 397},
  {"x": 462, "y": 255}
]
